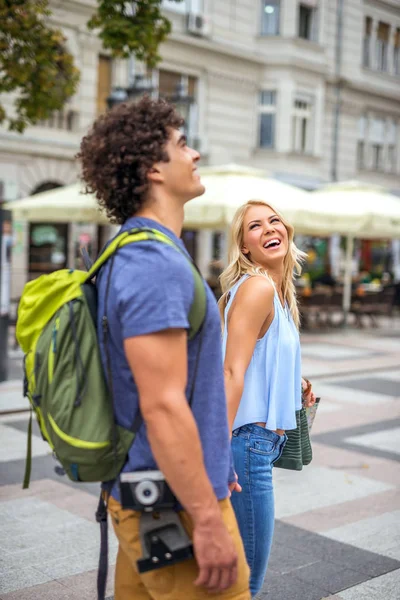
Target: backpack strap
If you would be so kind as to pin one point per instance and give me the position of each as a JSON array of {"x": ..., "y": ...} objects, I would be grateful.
[{"x": 198, "y": 307}]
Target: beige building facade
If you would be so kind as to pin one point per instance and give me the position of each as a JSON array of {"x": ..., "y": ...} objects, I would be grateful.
[{"x": 271, "y": 82}]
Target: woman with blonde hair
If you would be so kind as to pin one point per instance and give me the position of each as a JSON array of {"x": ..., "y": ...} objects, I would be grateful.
[{"x": 262, "y": 366}]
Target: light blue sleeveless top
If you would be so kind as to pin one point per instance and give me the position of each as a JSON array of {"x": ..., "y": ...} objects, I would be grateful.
[{"x": 272, "y": 384}]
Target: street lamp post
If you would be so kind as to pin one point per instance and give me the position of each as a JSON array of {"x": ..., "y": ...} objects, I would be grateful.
[
  {"x": 140, "y": 86},
  {"x": 183, "y": 101},
  {"x": 5, "y": 266}
]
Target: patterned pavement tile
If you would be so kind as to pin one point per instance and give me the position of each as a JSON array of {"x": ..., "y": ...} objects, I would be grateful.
[
  {"x": 334, "y": 352},
  {"x": 318, "y": 369},
  {"x": 13, "y": 445},
  {"x": 67, "y": 497},
  {"x": 389, "y": 441},
  {"x": 376, "y": 385},
  {"x": 350, "y": 414},
  {"x": 49, "y": 591},
  {"x": 316, "y": 487},
  {"x": 380, "y": 533},
  {"x": 346, "y": 513},
  {"x": 384, "y": 587},
  {"x": 340, "y": 438},
  {"x": 19, "y": 578},
  {"x": 11, "y": 397},
  {"x": 393, "y": 375},
  {"x": 50, "y": 543},
  {"x": 354, "y": 462},
  {"x": 301, "y": 556},
  {"x": 347, "y": 395},
  {"x": 86, "y": 583}
]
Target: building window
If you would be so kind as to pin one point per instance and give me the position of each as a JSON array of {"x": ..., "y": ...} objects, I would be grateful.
[
  {"x": 104, "y": 74},
  {"x": 66, "y": 120},
  {"x": 307, "y": 21},
  {"x": 377, "y": 155},
  {"x": 391, "y": 146},
  {"x": 361, "y": 142},
  {"x": 382, "y": 44},
  {"x": 270, "y": 17},
  {"x": 396, "y": 52},
  {"x": 360, "y": 154},
  {"x": 377, "y": 143},
  {"x": 377, "y": 138},
  {"x": 392, "y": 159},
  {"x": 170, "y": 84},
  {"x": 302, "y": 125},
  {"x": 267, "y": 111},
  {"x": 367, "y": 42},
  {"x": 179, "y": 7}
]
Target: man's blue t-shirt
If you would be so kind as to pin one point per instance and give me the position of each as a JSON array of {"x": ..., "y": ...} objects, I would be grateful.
[{"x": 152, "y": 289}]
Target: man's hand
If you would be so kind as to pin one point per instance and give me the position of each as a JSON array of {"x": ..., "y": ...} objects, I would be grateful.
[
  {"x": 215, "y": 554},
  {"x": 234, "y": 486}
]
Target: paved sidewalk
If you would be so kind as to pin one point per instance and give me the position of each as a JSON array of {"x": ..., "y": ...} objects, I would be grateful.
[{"x": 338, "y": 521}]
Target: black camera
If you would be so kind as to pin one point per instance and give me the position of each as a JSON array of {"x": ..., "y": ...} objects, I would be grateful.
[
  {"x": 146, "y": 491},
  {"x": 163, "y": 539}
]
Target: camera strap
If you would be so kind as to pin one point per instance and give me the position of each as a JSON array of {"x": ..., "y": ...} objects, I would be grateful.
[{"x": 101, "y": 513}]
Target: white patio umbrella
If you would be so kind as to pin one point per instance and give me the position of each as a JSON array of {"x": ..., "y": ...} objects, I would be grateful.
[
  {"x": 63, "y": 204},
  {"x": 227, "y": 187},
  {"x": 230, "y": 186},
  {"x": 355, "y": 210}
]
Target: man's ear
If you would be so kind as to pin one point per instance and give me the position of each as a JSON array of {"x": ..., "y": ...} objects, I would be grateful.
[{"x": 154, "y": 174}]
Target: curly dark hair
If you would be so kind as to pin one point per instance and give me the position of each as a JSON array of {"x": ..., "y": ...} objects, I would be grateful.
[{"x": 121, "y": 147}]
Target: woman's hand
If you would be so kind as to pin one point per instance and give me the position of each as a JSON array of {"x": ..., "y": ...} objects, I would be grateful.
[{"x": 308, "y": 395}]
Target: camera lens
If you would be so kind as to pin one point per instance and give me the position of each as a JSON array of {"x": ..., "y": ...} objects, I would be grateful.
[{"x": 147, "y": 492}]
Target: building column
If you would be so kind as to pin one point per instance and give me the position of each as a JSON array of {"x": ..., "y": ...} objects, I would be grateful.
[
  {"x": 392, "y": 43},
  {"x": 284, "y": 120},
  {"x": 204, "y": 251},
  {"x": 289, "y": 18},
  {"x": 374, "y": 39}
]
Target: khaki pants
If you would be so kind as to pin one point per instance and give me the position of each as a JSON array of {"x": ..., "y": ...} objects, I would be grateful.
[{"x": 174, "y": 582}]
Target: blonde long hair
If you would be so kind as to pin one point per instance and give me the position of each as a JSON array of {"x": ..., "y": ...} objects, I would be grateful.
[{"x": 240, "y": 265}]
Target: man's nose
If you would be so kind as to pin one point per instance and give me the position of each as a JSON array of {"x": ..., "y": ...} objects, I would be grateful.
[{"x": 195, "y": 155}]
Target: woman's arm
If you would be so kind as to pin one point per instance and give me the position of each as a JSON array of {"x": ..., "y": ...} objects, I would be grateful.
[{"x": 253, "y": 304}]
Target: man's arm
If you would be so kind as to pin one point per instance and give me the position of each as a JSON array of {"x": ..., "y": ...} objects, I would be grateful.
[
  {"x": 252, "y": 306},
  {"x": 159, "y": 365}
]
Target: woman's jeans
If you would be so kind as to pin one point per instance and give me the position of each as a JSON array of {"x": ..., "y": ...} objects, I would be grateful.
[{"x": 255, "y": 449}]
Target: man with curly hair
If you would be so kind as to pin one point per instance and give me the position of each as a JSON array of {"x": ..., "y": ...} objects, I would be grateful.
[{"x": 137, "y": 162}]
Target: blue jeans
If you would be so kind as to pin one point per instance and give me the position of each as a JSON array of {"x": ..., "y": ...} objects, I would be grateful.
[{"x": 255, "y": 449}]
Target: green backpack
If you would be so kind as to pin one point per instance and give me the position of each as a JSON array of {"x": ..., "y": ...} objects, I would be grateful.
[{"x": 64, "y": 377}]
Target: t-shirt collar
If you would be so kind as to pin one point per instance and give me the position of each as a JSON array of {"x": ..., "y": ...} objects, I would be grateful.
[{"x": 146, "y": 222}]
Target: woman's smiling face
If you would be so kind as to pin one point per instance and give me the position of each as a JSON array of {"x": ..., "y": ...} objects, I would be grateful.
[{"x": 265, "y": 238}]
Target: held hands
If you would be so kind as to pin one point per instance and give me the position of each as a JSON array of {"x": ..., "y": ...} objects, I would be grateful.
[{"x": 308, "y": 395}]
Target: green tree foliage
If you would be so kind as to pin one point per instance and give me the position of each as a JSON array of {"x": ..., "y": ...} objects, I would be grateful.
[
  {"x": 33, "y": 63},
  {"x": 136, "y": 27}
]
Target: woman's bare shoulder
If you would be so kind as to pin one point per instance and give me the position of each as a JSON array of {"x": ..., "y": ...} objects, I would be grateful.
[{"x": 257, "y": 291}]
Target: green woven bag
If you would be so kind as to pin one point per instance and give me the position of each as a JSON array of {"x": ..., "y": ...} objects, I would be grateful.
[{"x": 297, "y": 451}]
